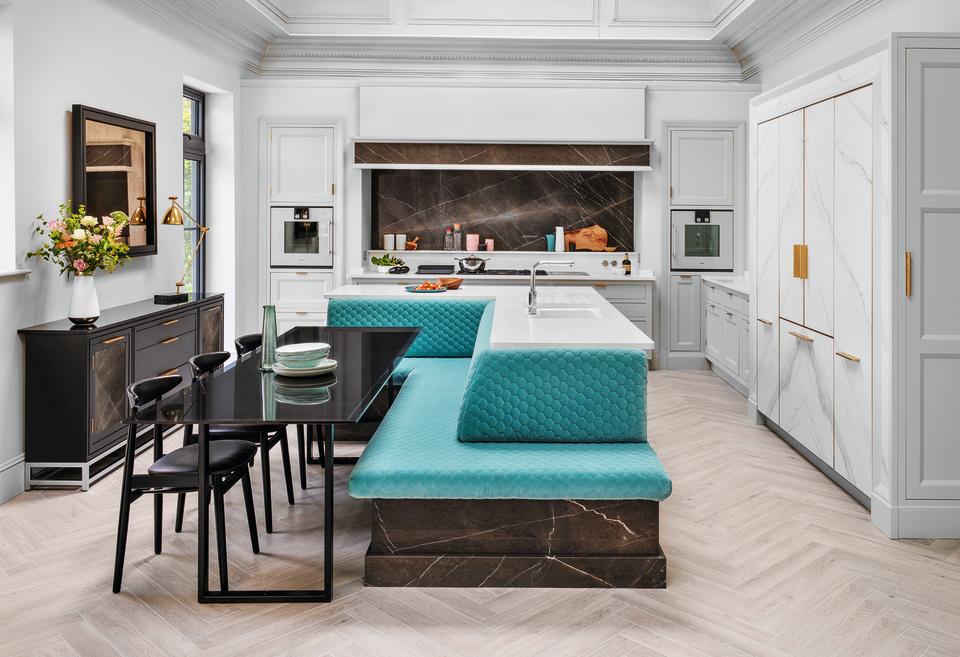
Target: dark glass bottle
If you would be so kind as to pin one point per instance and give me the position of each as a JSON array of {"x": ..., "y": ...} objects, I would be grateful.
[{"x": 627, "y": 266}]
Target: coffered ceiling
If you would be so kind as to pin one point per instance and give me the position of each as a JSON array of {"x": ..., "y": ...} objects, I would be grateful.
[{"x": 717, "y": 40}]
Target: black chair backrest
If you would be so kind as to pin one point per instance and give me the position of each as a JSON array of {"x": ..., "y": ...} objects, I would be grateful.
[
  {"x": 247, "y": 343},
  {"x": 203, "y": 364},
  {"x": 145, "y": 391}
]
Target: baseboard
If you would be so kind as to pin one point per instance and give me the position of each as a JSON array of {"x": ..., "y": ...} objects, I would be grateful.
[
  {"x": 681, "y": 360},
  {"x": 753, "y": 413},
  {"x": 928, "y": 521},
  {"x": 731, "y": 381},
  {"x": 883, "y": 516},
  {"x": 11, "y": 478}
]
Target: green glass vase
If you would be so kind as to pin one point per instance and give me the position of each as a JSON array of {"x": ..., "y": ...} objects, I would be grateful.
[{"x": 268, "y": 349}]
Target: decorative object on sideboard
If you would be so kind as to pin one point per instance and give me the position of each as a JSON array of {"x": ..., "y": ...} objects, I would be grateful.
[
  {"x": 473, "y": 241},
  {"x": 114, "y": 165},
  {"x": 489, "y": 243},
  {"x": 174, "y": 217},
  {"x": 80, "y": 245},
  {"x": 268, "y": 348},
  {"x": 138, "y": 225}
]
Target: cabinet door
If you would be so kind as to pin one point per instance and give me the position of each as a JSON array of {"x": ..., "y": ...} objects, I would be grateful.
[
  {"x": 806, "y": 388},
  {"x": 714, "y": 328},
  {"x": 730, "y": 354},
  {"x": 768, "y": 268},
  {"x": 301, "y": 165},
  {"x": 791, "y": 213},
  {"x": 768, "y": 368},
  {"x": 685, "y": 305},
  {"x": 853, "y": 365},
  {"x": 289, "y": 320},
  {"x": 701, "y": 167},
  {"x": 109, "y": 367},
  {"x": 300, "y": 291},
  {"x": 818, "y": 216},
  {"x": 211, "y": 329},
  {"x": 931, "y": 226},
  {"x": 746, "y": 360}
]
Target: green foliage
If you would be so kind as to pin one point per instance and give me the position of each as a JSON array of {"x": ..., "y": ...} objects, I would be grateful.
[
  {"x": 388, "y": 260},
  {"x": 80, "y": 244}
]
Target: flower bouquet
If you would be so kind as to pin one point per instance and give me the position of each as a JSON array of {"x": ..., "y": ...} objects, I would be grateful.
[{"x": 80, "y": 245}]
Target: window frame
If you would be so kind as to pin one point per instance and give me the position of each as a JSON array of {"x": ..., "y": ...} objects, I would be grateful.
[{"x": 195, "y": 150}]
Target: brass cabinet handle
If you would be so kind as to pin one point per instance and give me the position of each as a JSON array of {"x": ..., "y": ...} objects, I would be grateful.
[
  {"x": 850, "y": 357},
  {"x": 908, "y": 264},
  {"x": 112, "y": 340},
  {"x": 170, "y": 372},
  {"x": 800, "y": 255},
  {"x": 765, "y": 321},
  {"x": 169, "y": 341},
  {"x": 171, "y": 322},
  {"x": 800, "y": 336},
  {"x": 301, "y": 312},
  {"x": 301, "y": 273}
]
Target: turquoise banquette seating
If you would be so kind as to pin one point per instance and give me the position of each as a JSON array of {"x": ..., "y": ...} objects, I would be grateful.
[{"x": 478, "y": 439}]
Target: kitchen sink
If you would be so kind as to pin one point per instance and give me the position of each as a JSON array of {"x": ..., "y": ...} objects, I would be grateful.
[{"x": 566, "y": 312}]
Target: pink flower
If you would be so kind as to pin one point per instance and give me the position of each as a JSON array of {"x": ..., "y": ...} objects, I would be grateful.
[
  {"x": 118, "y": 231},
  {"x": 79, "y": 264},
  {"x": 107, "y": 221},
  {"x": 95, "y": 239},
  {"x": 57, "y": 225}
]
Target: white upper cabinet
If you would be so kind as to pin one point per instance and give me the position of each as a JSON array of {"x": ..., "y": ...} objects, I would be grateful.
[
  {"x": 301, "y": 165},
  {"x": 791, "y": 214},
  {"x": 702, "y": 168},
  {"x": 818, "y": 192}
]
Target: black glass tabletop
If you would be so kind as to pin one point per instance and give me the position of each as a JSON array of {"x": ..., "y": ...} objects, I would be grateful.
[{"x": 242, "y": 394}]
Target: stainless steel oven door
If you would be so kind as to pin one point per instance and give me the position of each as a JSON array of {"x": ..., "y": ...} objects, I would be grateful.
[
  {"x": 301, "y": 237},
  {"x": 701, "y": 240}
]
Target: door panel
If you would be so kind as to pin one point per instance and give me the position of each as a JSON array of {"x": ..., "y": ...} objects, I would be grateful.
[
  {"x": 731, "y": 342},
  {"x": 685, "y": 313},
  {"x": 109, "y": 367},
  {"x": 791, "y": 213},
  {"x": 853, "y": 303},
  {"x": 714, "y": 324},
  {"x": 301, "y": 165},
  {"x": 932, "y": 230},
  {"x": 768, "y": 267},
  {"x": 818, "y": 217},
  {"x": 701, "y": 167},
  {"x": 806, "y": 388}
]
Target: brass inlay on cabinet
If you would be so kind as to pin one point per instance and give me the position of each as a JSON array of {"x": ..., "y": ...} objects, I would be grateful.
[
  {"x": 799, "y": 260},
  {"x": 850, "y": 357},
  {"x": 112, "y": 340},
  {"x": 169, "y": 341},
  {"x": 801, "y": 336},
  {"x": 171, "y": 322},
  {"x": 908, "y": 257}
]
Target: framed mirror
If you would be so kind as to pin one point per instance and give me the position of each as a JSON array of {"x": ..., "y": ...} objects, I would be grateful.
[{"x": 114, "y": 168}]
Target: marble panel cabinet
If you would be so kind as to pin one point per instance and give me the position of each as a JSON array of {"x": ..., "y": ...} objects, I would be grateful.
[{"x": 768, "y": 263}]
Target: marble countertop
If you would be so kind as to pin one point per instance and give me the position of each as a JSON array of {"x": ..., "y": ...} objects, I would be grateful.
[
  {"x": 554, "y": 275},
  {"x": 514, "y": 328},
  {"x": 735, "y": 284}
]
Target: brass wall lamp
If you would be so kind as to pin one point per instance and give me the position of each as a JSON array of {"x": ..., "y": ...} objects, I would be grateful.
[{"x": 174, "y": 217}]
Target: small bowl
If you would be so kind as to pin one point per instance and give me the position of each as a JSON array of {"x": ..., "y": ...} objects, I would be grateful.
[{"x": 450, "y": 283}]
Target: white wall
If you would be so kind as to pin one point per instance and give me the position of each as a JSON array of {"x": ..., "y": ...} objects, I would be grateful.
[{"x": 89, "y": 52}]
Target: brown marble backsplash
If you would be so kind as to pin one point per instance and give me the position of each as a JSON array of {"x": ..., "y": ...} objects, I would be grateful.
[
  {"x": 515, "y": 208},
  {"x": 575, "y": 155}
]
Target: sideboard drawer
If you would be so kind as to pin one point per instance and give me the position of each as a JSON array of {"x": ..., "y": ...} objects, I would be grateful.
[
  {"x": 151, "y": 334},
  {"x": 166, "y": 355}
]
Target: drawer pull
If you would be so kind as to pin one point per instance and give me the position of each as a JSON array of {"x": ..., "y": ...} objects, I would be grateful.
[
  {"x": 301, "y": 312},
  {"x": 729, "y": 314},
  {"x": 169, "y": 340},
  {"x": 765, "y": 321},
  {"x": 112, "y": 340},
  {"x": 908, "y": 279},
  {"x": 170, "y": 372},
  {"x": 301, "y": 273},
  {"x": 171, "y": 322},
  {"x": 801, "y": 336},
  {"x": 850, "y": 357}
]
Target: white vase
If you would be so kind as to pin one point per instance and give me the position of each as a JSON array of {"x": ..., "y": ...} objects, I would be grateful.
[{"x": 84, "y": 304}]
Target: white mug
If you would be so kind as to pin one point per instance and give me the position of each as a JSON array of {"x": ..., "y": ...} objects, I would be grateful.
[
  {"x": 401, "y": 240},
  {"x": 389, "y": 242}
]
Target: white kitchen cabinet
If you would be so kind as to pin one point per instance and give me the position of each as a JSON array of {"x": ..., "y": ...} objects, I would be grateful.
[
  {"x": 806, "y": 388},
  {"x": 702, "y": 167},
  {"x": 768, "y": 368},
  {"x": 818, "y": 214},
  {"x": 714, "y": 330},
  {"x": 768, "y": 263},
  {"x": 300, "y": 291},
  {"x": 726, "y": 314},
  {"x": 289, "y": 320},
  {"x": 685, "y": 313},
  {"x": 730, "y": 349},
  {"x": 301, "y": 165},
  {"x": 791, "y": 213},
  {"x": 746, "y": 365}
]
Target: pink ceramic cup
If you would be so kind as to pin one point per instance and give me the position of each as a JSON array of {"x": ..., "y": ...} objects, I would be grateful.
[{"x": 473, "y": 242}]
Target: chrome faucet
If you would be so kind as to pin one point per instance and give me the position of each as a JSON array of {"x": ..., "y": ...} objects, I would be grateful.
[{"x": 532, "y": 296}]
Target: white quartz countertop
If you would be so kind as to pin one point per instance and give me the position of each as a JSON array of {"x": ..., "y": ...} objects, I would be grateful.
[
  {"x": 571, "y": 316},
  {"x": 553, "y": 275},
  {"x": 735, "y": 284}
]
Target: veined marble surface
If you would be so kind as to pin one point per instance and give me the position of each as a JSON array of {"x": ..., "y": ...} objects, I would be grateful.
[
  {"x": 806, "y": 389},
  {"x": 818, "y": 213},
  {"x": 514, "y": 328},
  {"x": 767, "y": 301},
  {"x": 791, "y": 213}
]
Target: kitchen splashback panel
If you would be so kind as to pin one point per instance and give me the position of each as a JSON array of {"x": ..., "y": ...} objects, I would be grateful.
[{"x": 515, "y": 208}]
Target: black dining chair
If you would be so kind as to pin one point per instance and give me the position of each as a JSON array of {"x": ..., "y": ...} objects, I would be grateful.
[
  {"x": 265, "y": 436},
  {"x": 251, "y": 342},
  {"x": 176, "y": 472}
]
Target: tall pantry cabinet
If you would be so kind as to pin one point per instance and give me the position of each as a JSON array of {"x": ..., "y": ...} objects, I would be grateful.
[{"x": 814, "y": 289}]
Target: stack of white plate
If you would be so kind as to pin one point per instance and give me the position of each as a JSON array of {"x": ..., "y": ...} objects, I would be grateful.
[{"x": 304, "y": 359}]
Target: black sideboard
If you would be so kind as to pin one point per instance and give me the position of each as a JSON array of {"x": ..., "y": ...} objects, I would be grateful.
[{"x": 76, "y": 381}]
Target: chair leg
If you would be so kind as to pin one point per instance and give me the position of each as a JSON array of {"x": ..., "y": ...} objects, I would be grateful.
[
  {"x": 267, "y": 497},
  {"x": 285, "y": 455},
  {"x": 181, "y": 503},
  {"x": 157, "y": 524},
  {"x": 218, "y": 512},
  {"x": 121, "y": 540},
  {"x": 302, "y": 453},
  {"x": 251, "y": 514}
]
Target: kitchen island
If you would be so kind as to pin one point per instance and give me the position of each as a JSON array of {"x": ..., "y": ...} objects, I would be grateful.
[{"x": 569, "y": 316}]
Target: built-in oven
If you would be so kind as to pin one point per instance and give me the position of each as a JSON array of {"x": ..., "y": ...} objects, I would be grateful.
[
  {"x": 301, "y": 237},
  {"x": 701, "y": 240}
]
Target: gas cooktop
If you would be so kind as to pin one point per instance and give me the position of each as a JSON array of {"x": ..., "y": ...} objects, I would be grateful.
[{"x": 502, "y": 272}]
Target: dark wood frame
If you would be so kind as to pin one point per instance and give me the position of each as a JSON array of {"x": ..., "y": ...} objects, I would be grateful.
[{"x": 83, "y": 113}]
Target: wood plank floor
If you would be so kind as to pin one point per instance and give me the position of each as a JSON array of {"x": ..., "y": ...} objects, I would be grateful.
[{"x": 766, "y": 557}]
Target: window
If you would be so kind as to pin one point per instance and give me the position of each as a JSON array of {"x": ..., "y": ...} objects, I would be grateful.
[{"x": 194, "y": 184}]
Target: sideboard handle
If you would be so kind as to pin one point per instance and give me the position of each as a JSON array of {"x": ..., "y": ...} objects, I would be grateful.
[
  {"x": 169, "y": 340},
  {"x": 112, "y": 340},
  {"x": 171, "y": 322},
  {"x": 801, "y": 336}
]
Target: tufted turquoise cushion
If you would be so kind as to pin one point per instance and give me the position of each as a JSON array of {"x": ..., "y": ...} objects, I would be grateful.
[
  {"x": 449, "y": 327},
  {"x": 415, "y": 454},
  {"x": 408, "y": 365},
  {"x": 556, "y": 395}
]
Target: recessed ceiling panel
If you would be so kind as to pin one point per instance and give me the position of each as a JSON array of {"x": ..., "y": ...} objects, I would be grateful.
[{"x": 504, "y": 12}]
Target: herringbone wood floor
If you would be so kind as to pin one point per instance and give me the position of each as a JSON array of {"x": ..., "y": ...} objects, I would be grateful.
[{"x": 766, "y": 557}]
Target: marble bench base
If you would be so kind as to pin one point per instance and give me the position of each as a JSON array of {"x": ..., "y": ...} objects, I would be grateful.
[{"x": 516, "y": 543}]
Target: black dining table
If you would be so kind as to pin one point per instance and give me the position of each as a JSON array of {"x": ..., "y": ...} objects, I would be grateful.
[{"x": 241, "y": 393}]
